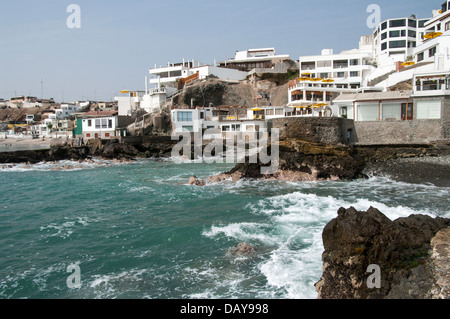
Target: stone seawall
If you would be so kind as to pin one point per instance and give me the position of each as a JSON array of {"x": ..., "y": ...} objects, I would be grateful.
[{"x": 399, "y": 132}]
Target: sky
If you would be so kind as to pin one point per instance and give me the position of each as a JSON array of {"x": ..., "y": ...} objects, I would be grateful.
[{"x": 118, "y": 41}]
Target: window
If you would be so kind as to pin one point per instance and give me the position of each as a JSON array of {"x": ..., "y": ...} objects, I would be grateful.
[
  {"x": 225, "y": 128},
  {"x": 89, "y": 123},
  {"x": 397, "y": 23},
  {"x": 104, "y": 123},
  {"x": 354, "y": 62},
  {"x": 397, "y": 44},
  {"x": 339, "y": 64},
  {"x": 202, "y": 115},
  {"x": 422, "y": 23},
  {"x": 412, "y": 33},
  {"x": 420, "y": 57},
  {"x": 188, "y": 128},
  {"x": 383, "y": 36},
  {"x": 411, "y": 44},
  {"x": 354, "y": 73},
  {"x": 110, "y": 125},
  {"x": 432, "y": 52},
  {"x": 384, "y": 25},
  {"x": 97, "y": 124},
  {"x": 340, "y": 74},
  {"x": 323, "y": 64},
  {"x": 383, "y": 46},
  {"x": 412, "y": 23},
  {"x": 397, "y": 33},
  {"x": 184, "y": 116},
  {"x": 279, "y": 112},
  {"x": 447, "y": 26},
  {"x": 236, "y": 128}
]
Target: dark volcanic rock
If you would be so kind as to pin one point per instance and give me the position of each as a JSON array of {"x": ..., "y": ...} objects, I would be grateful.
[{"x": 401, "y": 248}]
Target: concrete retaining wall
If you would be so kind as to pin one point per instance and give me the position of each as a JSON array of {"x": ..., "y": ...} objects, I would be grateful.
[{"x": 399, "y": 132}]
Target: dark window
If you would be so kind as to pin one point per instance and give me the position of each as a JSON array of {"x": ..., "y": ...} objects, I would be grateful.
[
  {"x": 397, "y": 23},
  {"x": 383, "y": 46},
  {"x": 422, "y": 23},
  {"x": 412, "y": 34},
  {"x": 384, "y": 25},
  {"x": 432, "y": 52},
  {"x": 412, "y": 23},
  {"x": 397, "y": 44},
  {"x": 394, "y": 34},
  {"x": 383, "y": 36},
  {"x": 420, "y": 57}
]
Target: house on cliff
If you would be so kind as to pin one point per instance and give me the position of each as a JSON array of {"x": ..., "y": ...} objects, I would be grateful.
[{"x": 101, "y": 125}]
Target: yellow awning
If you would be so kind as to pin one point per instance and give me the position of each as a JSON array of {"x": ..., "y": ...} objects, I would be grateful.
[
  {"x": 304, "y": 79},
  {"x": 124, "y": 91},
  {"x": 408, "y": 63},
  {"x": 306, "y": 74},
  {"x": 432, "y": 35},
  {"x": 316, "y": 79},
  {"x": 256, "y": 109},
  {"x": 328, "y": 80}
]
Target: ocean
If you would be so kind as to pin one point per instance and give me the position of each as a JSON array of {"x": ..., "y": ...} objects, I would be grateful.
[{"x": 138, "y": 230}]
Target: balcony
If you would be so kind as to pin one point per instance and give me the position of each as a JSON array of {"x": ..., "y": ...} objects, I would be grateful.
[{"x": 431, "y": 89}]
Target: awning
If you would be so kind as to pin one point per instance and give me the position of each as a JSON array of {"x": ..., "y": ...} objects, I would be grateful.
[{"x": 432, "y": 35}]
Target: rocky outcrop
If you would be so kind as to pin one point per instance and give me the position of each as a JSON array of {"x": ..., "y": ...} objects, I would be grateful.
[
  {"x": 412, "y": 255},
  {"x": 300, "y": 160},
  {"x": 242, "y": 250}
]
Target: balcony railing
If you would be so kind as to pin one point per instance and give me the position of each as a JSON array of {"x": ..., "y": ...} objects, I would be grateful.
[{"x": 433, "y": 87}]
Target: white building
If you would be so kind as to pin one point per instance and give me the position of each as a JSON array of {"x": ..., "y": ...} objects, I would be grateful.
[
  {"x": 103, "y": 125},
  {"x": 66, "y": 110},
  {"x": 376, "y": 106},
  {"x": 176, "y": 75},
  {"x": 264, "y": 58},
  {"x": 222, "y": 121},
  {"x": 129, "y": 102}
]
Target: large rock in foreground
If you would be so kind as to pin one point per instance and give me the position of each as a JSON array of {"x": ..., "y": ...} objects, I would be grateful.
[{"x": 412, "y": 255}]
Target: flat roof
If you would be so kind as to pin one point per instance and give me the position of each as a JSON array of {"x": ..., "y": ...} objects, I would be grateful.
[{"x": 373, "y": 96}]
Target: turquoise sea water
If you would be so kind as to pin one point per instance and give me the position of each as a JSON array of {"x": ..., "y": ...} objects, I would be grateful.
[{"x": 139, "y": 231}]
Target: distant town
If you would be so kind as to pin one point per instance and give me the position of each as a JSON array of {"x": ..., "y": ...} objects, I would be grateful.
[{"x": 398, "y": 74}]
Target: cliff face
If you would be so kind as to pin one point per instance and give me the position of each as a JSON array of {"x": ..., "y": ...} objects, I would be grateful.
[{"x": 412, "y": 254}]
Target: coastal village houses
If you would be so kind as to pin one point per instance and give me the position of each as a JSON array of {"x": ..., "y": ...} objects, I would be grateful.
[{"x": 397, "y": 80}]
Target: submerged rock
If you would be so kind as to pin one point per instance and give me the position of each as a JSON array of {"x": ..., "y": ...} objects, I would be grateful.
[{"x": 408, "y": 252}]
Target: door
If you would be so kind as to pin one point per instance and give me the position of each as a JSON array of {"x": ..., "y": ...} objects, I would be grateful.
[{"x": 407, "y": 111}]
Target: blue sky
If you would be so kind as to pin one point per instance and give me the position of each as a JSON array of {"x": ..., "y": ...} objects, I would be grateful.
[{"x": 120, "y": 40}]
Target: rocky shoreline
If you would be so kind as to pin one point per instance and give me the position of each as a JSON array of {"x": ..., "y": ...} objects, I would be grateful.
[
  {"x": 411, "y": 254},
  {"x": 110, "y": 150},
  {"x": 301, "y": 160}
]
